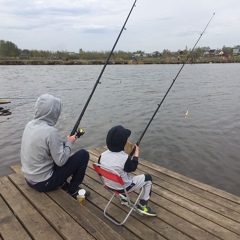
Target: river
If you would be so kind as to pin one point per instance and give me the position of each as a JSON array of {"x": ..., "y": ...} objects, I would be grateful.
[{"x": 203, "y": 145}]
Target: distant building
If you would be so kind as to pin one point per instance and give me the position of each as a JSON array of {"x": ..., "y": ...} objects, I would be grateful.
[
  {"x": 210, "y": 53},
  {"x": 154, "y": 54},
  {"x": 236, "y": 51},
  {"x": 216, "y": 53}
]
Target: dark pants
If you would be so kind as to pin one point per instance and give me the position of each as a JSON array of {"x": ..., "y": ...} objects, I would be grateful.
[{"x": 75, "y": 167}]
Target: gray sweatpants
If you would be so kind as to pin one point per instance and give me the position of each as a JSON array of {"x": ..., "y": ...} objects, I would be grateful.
[{"x": 138, "y": 182}]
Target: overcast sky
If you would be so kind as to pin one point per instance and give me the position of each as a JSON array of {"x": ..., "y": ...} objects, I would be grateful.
[{"x": 93, "y": 25}]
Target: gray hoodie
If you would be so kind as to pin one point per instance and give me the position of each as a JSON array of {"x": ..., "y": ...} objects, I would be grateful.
[{"x": 42, "y": 147}]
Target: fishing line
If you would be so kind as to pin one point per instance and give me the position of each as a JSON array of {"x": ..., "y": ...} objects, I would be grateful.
[
  {"x": 159, "y": 105},
  {"x": 98, "y": 80}
]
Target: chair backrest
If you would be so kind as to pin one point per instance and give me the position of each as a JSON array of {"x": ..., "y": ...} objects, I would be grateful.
[{"x": 108, "y": 173}]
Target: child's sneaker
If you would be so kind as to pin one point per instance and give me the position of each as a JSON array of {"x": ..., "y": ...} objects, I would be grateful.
[
  {"x": 146, "y": 210},
  {"x": 124, "y": 201}
]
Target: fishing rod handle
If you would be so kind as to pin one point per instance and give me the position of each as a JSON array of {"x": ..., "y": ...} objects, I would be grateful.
[{"x": 133, "y": 150}]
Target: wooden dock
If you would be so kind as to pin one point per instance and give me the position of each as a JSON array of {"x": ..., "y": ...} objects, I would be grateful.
[
  {"x": 187, "y": 209},
  {"x": 2, "y": 101}
]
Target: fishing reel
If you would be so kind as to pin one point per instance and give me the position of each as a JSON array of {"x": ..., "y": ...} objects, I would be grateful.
[{"x": 79, "y": 132}]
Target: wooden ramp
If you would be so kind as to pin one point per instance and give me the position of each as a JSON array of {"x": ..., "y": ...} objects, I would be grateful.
[{"x": 186, "y": 209}]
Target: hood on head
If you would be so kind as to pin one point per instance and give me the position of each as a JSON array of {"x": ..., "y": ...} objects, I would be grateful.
[
  {"x": 48, "y": 108},
  {"x": 117, "y": 138}
]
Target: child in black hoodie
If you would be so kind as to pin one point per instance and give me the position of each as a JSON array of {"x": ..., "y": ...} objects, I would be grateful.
[{"x": 116, "y": 158}]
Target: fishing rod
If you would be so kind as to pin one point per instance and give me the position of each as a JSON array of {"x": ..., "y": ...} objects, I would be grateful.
[
  {"x": 81, "y": 132},
  {"x": 159, "y": 105}
]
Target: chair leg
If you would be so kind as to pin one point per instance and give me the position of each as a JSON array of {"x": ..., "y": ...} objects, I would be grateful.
[
  {"x": 134, "y": 205},
  {"x": 131, "y": 206},
  {"x": 113, "y": 220},
  {"x": 137, "y": 200}
]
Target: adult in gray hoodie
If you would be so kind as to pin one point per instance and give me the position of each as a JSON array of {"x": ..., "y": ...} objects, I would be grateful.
[{"x": 45, "y": 157}]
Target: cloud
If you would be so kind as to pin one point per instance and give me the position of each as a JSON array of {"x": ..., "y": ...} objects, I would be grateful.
[{"x": 94, "y": 25}]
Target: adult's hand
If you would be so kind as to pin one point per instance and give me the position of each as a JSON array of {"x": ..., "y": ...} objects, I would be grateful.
[{"x": 72, "y": 139}]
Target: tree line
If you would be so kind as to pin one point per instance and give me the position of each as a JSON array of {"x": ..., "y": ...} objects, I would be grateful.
[{"x": 10, "y": 50}]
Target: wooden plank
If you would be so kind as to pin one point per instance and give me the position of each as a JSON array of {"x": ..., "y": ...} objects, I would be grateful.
[
  {"x": 187, "y": 209},
  {"x": 216, "y": 217},
  {"x": 195, "y": 219},
  {"x": 200, "y": 210},
  {"x": 36, "y": 226},
  {"x": 125, "y": 233},
  {"x": 201, "y": 189},
  {"x": 138, "y": 228},
  {"x": 2, "y": 101},
  {"x": 122, "y": 230},
  {"x": 213, "y": 203},
  {"x": 17, "y": 168},
  {"x": 173, "y": 223},
  {"x": 218, "y": 204},
  {"x": 90, "y": 222},
  {"x": 10, "y": 228},
  {"x": 223, "y": 215},
  {"x": 61, "y": 221},
  {"x": 198, "y": 188}
]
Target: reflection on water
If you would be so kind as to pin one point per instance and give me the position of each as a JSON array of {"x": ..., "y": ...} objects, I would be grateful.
[{"x": 203, "y": 146}]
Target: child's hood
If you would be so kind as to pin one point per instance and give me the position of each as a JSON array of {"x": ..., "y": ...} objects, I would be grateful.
[{"x": 117, "y": 138}]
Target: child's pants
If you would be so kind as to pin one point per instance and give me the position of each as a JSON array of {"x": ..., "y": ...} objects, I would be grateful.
[{"x": 145, "y": 181}]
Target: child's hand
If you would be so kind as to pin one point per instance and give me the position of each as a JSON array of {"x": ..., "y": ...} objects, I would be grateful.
[{"x": 136, "y": 153}]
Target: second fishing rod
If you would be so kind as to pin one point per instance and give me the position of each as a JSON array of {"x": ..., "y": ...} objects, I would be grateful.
[
  {"x": 80, "y": 132},
  {"x": 160, "y": 104}
]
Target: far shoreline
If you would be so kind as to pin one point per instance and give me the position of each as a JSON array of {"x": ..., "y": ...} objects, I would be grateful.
[{"x": 111, "y": 62}]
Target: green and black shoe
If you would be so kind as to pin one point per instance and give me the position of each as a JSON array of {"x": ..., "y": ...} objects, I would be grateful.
[{"x": 146, "y": 210}]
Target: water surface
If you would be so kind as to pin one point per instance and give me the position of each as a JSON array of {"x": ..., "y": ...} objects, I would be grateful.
[{"x": 203, "y": 146}]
